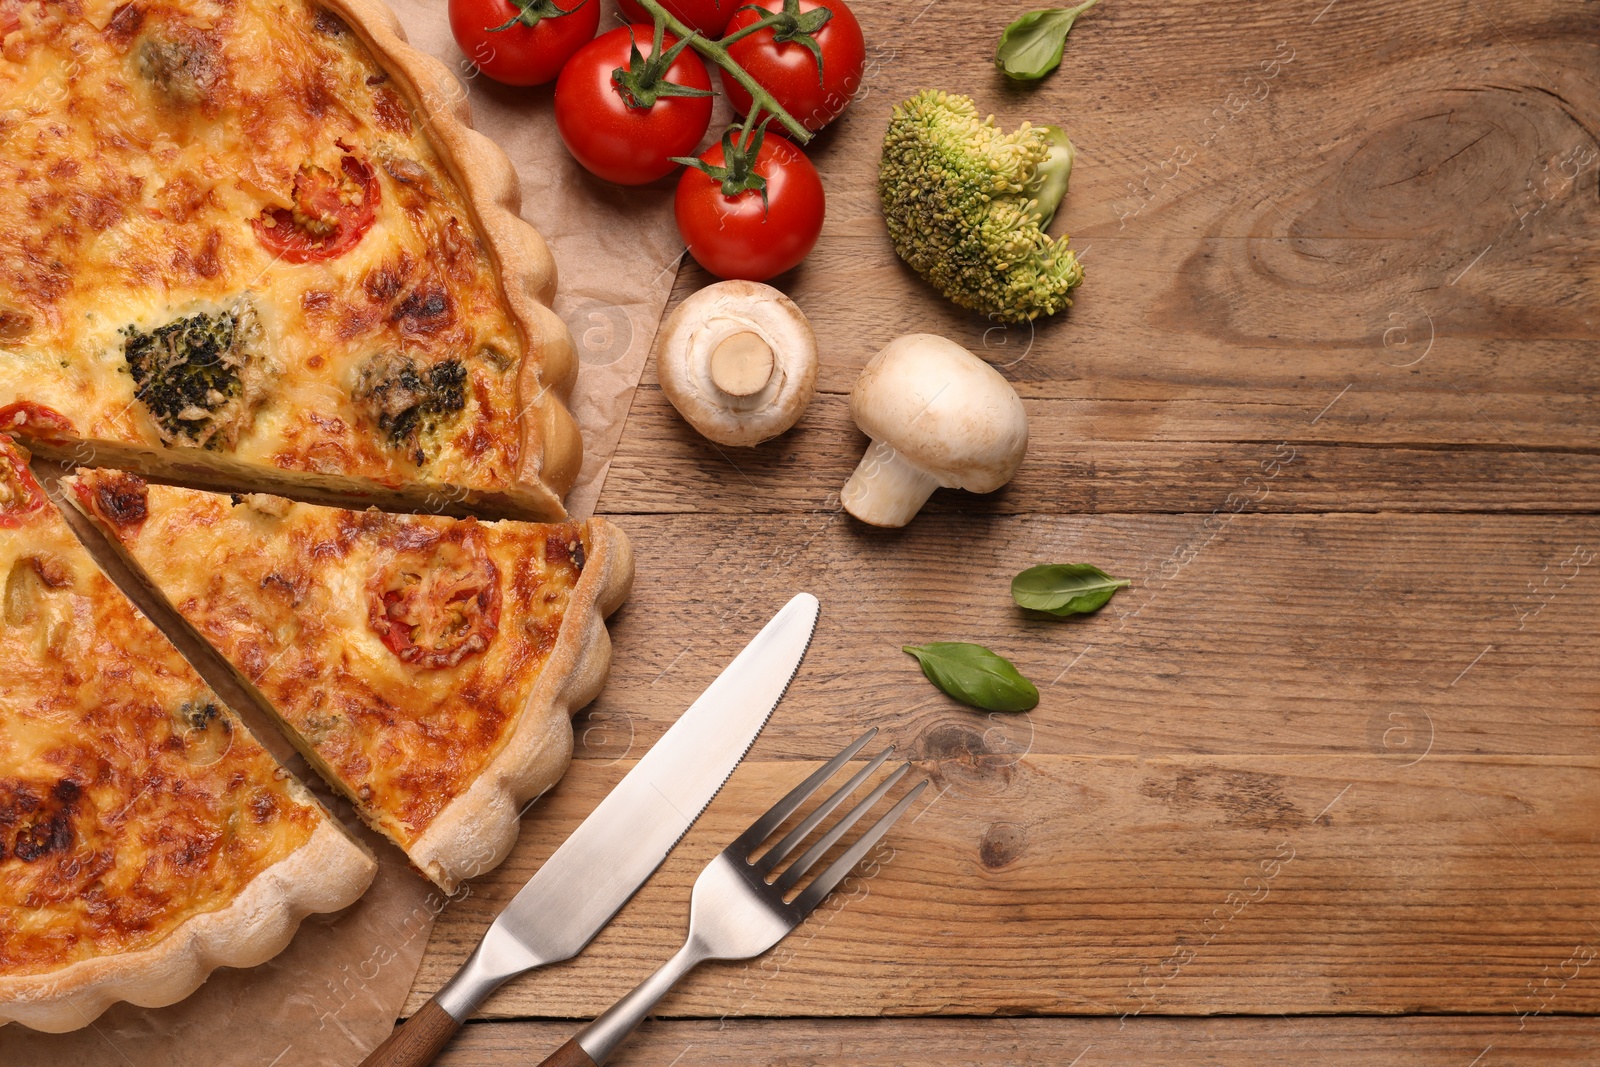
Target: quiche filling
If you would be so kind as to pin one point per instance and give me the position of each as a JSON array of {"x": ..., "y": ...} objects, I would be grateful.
[{"x": 262, "y": 260}]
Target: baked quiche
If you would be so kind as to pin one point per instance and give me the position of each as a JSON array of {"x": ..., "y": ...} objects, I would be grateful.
[
  {"x": 253, "y": 243},
  {"x": 145, "y": 837},
  {"x": 426, "y": 665}
]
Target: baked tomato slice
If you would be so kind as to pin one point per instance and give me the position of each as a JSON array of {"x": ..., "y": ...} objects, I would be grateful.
[
  {"x": 34, "y": 420},
  {"x": 332, "y": 211},
  {"x": 438, "y": 603},
  {"x": 20, "y": 493},
  {"x": 120, "y": 498}
]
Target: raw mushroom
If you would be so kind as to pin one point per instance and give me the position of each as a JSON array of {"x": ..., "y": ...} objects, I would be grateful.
[
  {"x": 938, "y": 416},
  {"x": 739, "y": 362}
]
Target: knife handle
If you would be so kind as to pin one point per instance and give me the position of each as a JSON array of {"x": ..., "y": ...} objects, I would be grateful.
[
  {"x": 417, "y": 1041},
  {"x": 569, "y": 1055}
]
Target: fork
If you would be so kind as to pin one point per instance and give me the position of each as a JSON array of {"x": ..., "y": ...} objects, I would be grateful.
[{"x": 736, "y": 912}]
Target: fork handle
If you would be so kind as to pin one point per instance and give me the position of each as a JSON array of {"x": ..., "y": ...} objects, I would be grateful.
[
  {"x": 569, "y": 1055},
  {"x": 597, "y": 1041}
]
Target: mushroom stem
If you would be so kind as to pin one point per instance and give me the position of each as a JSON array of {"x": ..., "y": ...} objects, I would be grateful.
[
  {"x": 742, "y": 364},
  {"x": 886, "y": 489}
]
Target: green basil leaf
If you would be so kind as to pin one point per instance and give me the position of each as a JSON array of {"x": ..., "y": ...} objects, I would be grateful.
[
  {"x": 1065, "y": 588},
  {"x": 974, "y": 675},
  {"x": 1031, "y": 47}
]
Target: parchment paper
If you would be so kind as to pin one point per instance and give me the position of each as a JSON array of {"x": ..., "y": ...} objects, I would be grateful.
[
  {"x": 334, "y": 993},
  {"x": 616, "y": 248}
]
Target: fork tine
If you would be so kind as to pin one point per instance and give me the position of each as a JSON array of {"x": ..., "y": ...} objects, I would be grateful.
[
  {"x": 762, "y": 828},
  {"x": 799, "y": 867},
  {"x": 777, "y": 852},
  {"x": 825, "y": 882}
]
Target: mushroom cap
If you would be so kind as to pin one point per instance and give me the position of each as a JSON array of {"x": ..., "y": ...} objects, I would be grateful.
[
  {"x": 944, "y": 410},
  {"x": 711, "y": 322}
]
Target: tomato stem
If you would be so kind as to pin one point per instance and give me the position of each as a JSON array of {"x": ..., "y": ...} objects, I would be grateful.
[
  {"x": 717, "y": 53},
  {"x": 789, "y": 25},
  {"x": 643, "y": 81},
  {"x": 741, "y": 147},
  {"x": 531, "y": 12}
]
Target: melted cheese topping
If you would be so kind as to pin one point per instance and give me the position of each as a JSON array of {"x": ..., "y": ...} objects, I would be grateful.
[
  {"x": 140, "y": 144},
  {"x": 284, "y": 591},
  {"x": 130, "y": 800}
]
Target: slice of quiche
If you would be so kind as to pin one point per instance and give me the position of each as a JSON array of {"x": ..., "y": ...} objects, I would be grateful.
[
  {"x": 253, "y": 243},
  {"x": 145, "y": 837},
  {"x": 427, "y": 666}
]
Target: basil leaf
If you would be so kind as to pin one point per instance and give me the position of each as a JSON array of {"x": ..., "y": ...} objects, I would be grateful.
[
  {"x": 974, "y": 675},
  {"x": 1065, "y": 588},
  {"x": 1031, "y": 47}
]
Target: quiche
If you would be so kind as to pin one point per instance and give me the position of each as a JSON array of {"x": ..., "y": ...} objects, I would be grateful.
[
  {"x": 254, "y": 243},
  {"x": 426, "y": 665},
  {"x": 145, "y": 837}
]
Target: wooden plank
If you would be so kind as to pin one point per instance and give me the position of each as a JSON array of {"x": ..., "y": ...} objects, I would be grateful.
[
  {"x": 1416, "y": 1041},
  {"x": 1109, "y": 885},
  {"x": 1381, "y": 634},
  {"x": 1412, "y": 233},
  {"x": 1091, "y": 457},
  {"x": 1309, "y": 762}
]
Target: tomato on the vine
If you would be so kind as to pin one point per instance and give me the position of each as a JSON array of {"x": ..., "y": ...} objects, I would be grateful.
[
  {"x": 523, "y": 42},
  {"x": 810, "y": 63},
  {"x": 707, "y": 16},
  {"x": 629, "y": 101},
  {"x": 756, "y": 214}
]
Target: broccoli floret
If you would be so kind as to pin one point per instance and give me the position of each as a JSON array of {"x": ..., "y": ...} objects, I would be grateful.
[
  {"x": 408, "y": 402},
  {"x": 194, "y": 374},
  {"x": 967, "y": 206}
]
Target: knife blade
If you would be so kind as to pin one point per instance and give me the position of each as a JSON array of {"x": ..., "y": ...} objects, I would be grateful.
[{"x": 622, "y": 842}]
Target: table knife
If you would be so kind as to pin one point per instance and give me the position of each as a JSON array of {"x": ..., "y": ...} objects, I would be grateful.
[{"x": 594, "y": 872}]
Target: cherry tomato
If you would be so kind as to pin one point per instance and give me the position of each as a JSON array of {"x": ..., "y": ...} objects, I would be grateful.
[
  {"x": 20, "y": 494},
  {"x": 788, "y": 70},
  {"x": 498, "y": 40},
  {"x": 331, "y": 213},
  {"x": 738, "y": 237},
  {"x": 438, "y": 604},
  {"x": 620, "y": 143},
  {"x": 707, "y": 16}
]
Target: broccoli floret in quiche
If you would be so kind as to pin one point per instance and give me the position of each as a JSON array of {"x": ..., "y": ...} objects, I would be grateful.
[
  {"x": 407, "y": 402},
  {"x": 967, "y": 204},
  {"x": 193, "y": 374}
]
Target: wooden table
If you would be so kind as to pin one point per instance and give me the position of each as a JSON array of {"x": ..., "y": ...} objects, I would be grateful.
[{"x": 1323, "y": 784}]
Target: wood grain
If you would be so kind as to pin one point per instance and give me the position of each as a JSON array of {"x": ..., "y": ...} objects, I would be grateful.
[
  {"x": 1303, "y": 278},
  {"x": 1417, "y": 1041},
  {"x": 1319, "y": 235},
  {"x": 1329, "y": 397},
  {"x": 1362, "y": 634},
  {"x": 1112, "y": 884},
  {"x": 1073, "y": 466}
]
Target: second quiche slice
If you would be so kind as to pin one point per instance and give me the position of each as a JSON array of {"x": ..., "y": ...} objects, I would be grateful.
[{"x": 427, "y": 666}]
